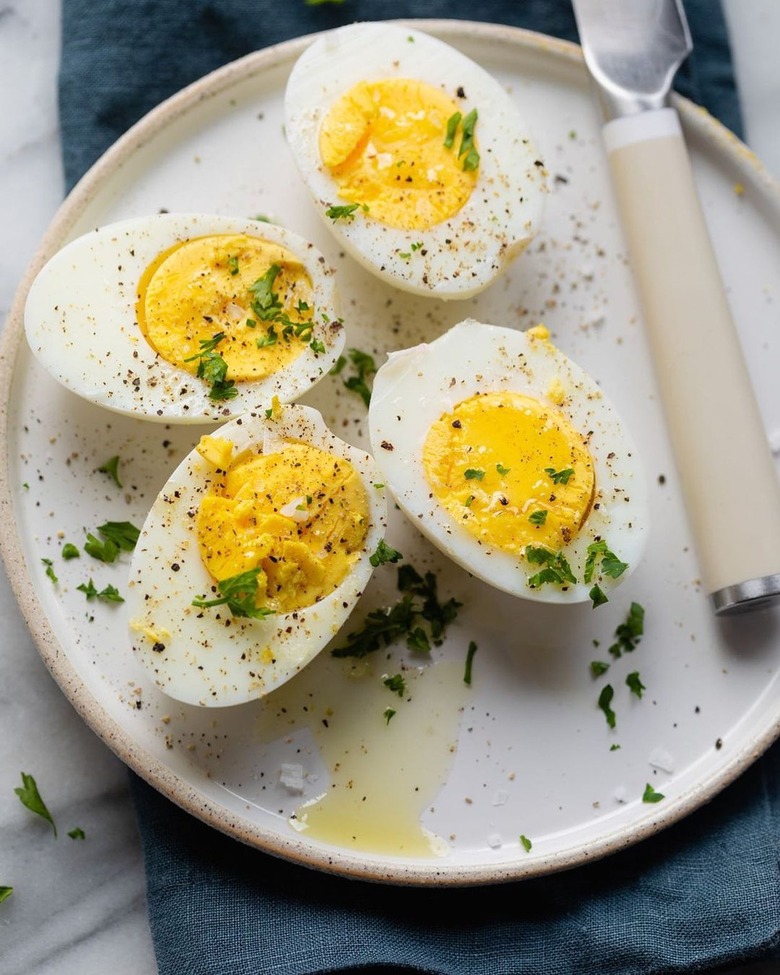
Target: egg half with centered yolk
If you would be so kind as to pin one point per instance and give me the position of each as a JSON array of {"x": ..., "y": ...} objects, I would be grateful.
[
  {"x": 417, "y": 159},
  {"x": 252, "y": 556},
  {"x": 511, "y": 459},
  {"x": 185, "y": 318}
]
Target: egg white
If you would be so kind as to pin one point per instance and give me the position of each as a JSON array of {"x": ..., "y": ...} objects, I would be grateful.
[
  {"x": 414, "y": 387},
  {"x": 81, "y": 323},
  {"x": 211, "y": 658},
  {"x": 462, "y": 255}
]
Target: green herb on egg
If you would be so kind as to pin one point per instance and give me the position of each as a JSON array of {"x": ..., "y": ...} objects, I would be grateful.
[
  {"x": 212, "y": 369},
  {"x": 345, "y": 212},
  {"x": 238, "y": 593},
  {"x": 69, "y": 551}
]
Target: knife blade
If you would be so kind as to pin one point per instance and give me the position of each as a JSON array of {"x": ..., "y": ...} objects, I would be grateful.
[{"x": 729, "y": 482}]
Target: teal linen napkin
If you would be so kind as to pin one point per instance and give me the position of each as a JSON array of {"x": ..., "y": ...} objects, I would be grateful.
[{"x": 702, "y": 895}]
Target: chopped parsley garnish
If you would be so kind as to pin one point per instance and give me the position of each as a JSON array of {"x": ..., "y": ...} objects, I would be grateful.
[
  {"x": 238, "y": 594},
  {"x": 383, "y": 554},
  {"x": 50, "y": 570},
  {"x": 232, "y": 263},
  {"x": 503, "y": 470},
  {"x": 598, "y": 667},
  {"x": 605, "y": 702},
  {"x": 345, "y": 212},
  {"x": 31, "y": 798},
  {"x": 396, "y": 684},
  {"x": 419, "y": 616},
  {"x": 556, "y": 568},
  {"x": 473, "y": 474},
  {"x": 5, "y": 893},
  {"x": 525, "y": 843},
  {"x": 538, "y": 517},
  {"x": 69, "y": 551},
  {"x": 109, "y": 593},
  {"x": 650, "y": 795},
  {"x": 364, "y": 367},
  {"x": 467, "y": 147},
  {"x": 634, "y": 683},
  {"x": 469, "y": 662},
  {"x": 630, "y": 632},
  {"x": 270, "y": 338},
  {"x": 111, "y": 467},
  {"x": 212, "y": 369},
  {"x": 452, "y": 127},
  {"x": 610, "y": 564},
  {"x": 597, "y": 596},
  {"x": 559, "y": 477},
  {"x": 388, "y": 714},
  {"x": 118, "y": 536},
  {"x": 265, "y": 301},
  {"x": 77, "y": 833},
  {"x": 467, "y": 150}
]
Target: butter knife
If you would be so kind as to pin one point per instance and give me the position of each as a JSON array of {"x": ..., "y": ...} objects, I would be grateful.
[{"x": 730, "y": 486}]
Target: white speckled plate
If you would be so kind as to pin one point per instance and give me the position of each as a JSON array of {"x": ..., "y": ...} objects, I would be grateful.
[{"x": 462, "y": 772}]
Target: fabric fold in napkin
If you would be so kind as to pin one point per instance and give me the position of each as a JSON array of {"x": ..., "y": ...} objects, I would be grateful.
[{"x": 701, "y": 895}]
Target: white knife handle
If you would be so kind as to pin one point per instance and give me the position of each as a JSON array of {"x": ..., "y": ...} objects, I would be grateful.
[{"x": 729, "y": 481}]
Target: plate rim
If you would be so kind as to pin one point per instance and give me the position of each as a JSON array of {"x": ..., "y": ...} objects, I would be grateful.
[{"x": 156, "y": 773}]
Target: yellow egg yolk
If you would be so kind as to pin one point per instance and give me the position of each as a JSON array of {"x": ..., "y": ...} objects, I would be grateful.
[
  {"x": 299, "y": 514},
  {"x": 250, "y": 291},
  {"x": 394, "y": 147},
  {"x": 512, "y": 470}
]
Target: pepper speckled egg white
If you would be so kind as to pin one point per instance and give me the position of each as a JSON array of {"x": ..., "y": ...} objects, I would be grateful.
[
  {"x": 185, "y": 318},
  {"x": 252, "y": 556},
  {"x": 417, "y": 159},
  {"x": 511, "y": 460}
]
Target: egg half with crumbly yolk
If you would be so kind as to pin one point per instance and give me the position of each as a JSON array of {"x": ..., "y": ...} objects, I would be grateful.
[
  {"x": 252, "y": 556},
  {"x": 511, "y": 459},
  {"x": 186, "y": 317},
  {"x": 417, "y": 159}
]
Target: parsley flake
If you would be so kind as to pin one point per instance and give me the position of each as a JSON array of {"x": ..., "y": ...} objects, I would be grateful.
[
  {"x": 5, "y": 893},
  {"x": 634, "y": 683},
  {"x": 605, "y": 703},
  {"x": 77, "y": 833},
  {"x": 238, "y": 593},
  {"x": 383, "y": 554},
  {"x": 345, "y": 212},
  {"x": 469, "y": 662},
  {"x": 388, "y": 714},
  {"x": 525, "y": 843},
  {"x": 111, "y": 467},
  {"x": 538, "y": 517},
  {"x": 473, "y": 474},
  {"x": 650, "y": 795},
  {"x": 31, "y": 799},
  {"x": 396, "y": 684},
  {"x": 50, "y": 570},
  {"x": 559, "y": 477}
]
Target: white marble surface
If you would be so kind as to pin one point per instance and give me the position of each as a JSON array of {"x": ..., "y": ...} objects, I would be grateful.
[{"x": 78, "y": 905}]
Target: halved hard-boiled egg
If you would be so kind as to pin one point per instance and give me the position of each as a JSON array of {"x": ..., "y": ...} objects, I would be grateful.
[
  {"x": 417, "y": 159},
  {"x": 252, "y": 556},
  {"x": 511, "y": 459},
  {"x": 185, "y": 317}
]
